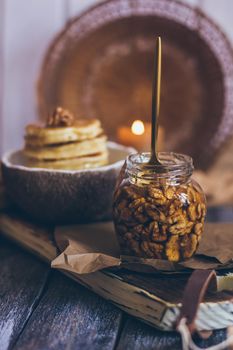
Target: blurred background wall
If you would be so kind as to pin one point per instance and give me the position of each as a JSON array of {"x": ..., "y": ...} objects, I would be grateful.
[{"x": 26, "y": 29}]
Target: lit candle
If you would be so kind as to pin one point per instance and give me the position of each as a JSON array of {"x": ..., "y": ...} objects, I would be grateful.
[{"x": 138, "y": 136}]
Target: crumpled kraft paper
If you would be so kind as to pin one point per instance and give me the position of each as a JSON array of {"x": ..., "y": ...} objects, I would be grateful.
[{"x": 92, "y": 247}]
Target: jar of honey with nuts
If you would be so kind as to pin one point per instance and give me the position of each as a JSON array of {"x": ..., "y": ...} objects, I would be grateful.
[{"x": 158, "y": 210}]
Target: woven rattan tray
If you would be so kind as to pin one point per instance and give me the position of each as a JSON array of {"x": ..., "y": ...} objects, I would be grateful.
[{"x": 100, "y": 65}]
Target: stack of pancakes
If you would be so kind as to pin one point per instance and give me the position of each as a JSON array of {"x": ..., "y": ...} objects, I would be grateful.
[{"x": 66, "y": 143}]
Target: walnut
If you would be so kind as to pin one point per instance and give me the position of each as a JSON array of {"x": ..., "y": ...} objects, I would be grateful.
[
  {"x": 198, "y": 228},
  {"x": 159, "y": 221},
  {"x": 169, "y": 192},
  {"x": 178, "y": 229},
  {"x": 134, "y": 246},
  {"x": 177, "y": 216},
  {"x": 157, "y": 195},
  {"x": 137, "y": 203},
  {"x": 60, "y": 118},
  {"x": 191, "y": 194},
  {"x": 163, "y": 229},
  {"x": 152, "y": 211},
  {"x": 189, "y": 245},
  {"x": 203, "y": 210},
  {"x": 146, "y": 250},
  {"x": 125, "y": 214},
  {"x": 171, "y": 209},
  {"x": 180, "y": 201},
  {"x": 199, "y": 211},
  {"x": 154, "y": 227},
  {"x": 142, "y": 218},
  {"x": 157, "y": 234},
  {"x": 189, "y": 226},
  {"x": 122, "y": 204},
  {"x": 152, "y": 250},
  {"x": 156, "y": 249},
  {"x": 162, "y": 217},
  {"x": 130, "y": 192},
  {"x": 141, "y": 231},
  {"x": 192, "y": 212},
  {"x": 172, "y": 248}
]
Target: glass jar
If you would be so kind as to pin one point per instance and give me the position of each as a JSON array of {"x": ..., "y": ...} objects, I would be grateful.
[{"x": 158, "y": 210}]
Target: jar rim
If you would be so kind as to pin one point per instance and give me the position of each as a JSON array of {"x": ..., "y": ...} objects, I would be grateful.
[{"x": 172, "y": 164}]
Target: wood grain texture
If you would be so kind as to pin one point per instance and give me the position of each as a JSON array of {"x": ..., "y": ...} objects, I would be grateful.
[
  {"x": 70, "y": 317},
  {"x": 137, "y": 336},
  {"x": 83, "y": 318},
  {"x": 37, "y": 239},
  {"x": 22, "y": 280},
  {"x": 154, "y": 299}
]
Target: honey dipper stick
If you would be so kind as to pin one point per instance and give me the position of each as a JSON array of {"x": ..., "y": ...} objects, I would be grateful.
[{"x": 155, "y": 102}]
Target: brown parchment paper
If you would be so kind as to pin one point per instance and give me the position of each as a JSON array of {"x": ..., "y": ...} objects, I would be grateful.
[{"x": 92, "y": 247}]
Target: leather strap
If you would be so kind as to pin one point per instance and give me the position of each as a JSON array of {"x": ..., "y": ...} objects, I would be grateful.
[{"x": 199, "y": 282}]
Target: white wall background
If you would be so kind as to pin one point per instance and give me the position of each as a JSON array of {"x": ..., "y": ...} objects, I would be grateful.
[{"x": 26, "y": 28}]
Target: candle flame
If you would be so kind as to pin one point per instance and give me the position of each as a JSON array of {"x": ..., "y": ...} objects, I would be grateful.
[{"x": 137, "y": 127}]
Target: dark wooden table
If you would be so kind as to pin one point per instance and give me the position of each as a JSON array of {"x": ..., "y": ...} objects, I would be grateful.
[{"x": 42, "y": 309}]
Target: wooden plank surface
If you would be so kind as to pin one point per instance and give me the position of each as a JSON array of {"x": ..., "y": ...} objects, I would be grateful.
[
  {"x": 138, "y": 336},
  {"x": 70, "y": 317},
  {"x": 22, "y": 280},
  {"x": 154, "y": 299}
]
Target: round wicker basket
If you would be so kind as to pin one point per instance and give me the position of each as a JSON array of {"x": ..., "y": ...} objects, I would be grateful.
[{"x": 100, "y": 66}]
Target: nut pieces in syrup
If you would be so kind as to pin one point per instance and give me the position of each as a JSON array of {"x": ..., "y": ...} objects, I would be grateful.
[{"x": 160, "y": 222}]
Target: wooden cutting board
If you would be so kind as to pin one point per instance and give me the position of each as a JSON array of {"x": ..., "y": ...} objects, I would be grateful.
[{"x": 155, "y": 299}]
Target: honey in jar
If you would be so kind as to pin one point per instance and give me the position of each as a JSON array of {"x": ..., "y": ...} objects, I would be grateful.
[{"x": 159, "y": 210}]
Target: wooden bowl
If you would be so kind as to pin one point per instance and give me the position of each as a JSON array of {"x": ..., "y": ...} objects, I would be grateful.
[
  {"x": 63, "y": 196},
  {"x": 100, "y": 66}
]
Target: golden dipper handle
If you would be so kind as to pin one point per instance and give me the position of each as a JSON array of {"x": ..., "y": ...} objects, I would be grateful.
[{"x": 155, "y": 101}]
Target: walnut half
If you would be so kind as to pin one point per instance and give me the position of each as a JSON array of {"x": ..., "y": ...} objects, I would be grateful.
[
  {"x": 159, "y": 222},
  {"x": 60, "y": 118}
]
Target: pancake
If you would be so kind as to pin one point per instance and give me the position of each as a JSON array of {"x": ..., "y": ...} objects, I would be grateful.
[
  {"x": 65, "y": 143},
  {"x": 66, "y": 151},
  {"x": 83, "y": 129},
  {"x": 92, "y": 161}
]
